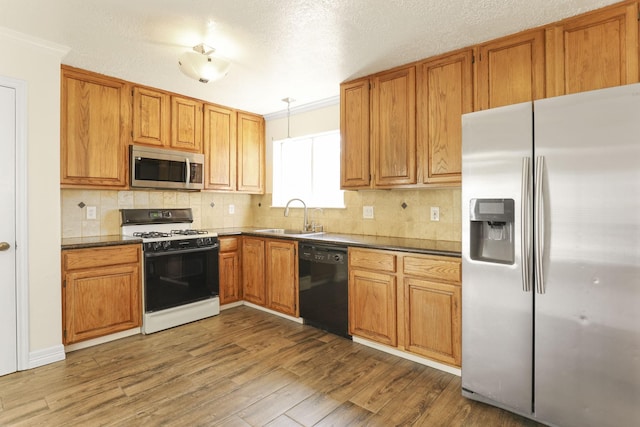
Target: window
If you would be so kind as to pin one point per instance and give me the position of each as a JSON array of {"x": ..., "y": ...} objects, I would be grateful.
[{"x": 308, "y": 168}]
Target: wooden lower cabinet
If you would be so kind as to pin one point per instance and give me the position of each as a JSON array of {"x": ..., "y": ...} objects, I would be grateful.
[
  {"x": 432, "y": 319},
  {"x": 408, "y": 301},
  {"x": 372, "y": 306},
  {"x": 101, "y": 291},
  {"x": 282, "y": 276},
  {"x": 270, "y": 273},
  {"x": 253, "y": 283},
  {"x": 229, "y": 268}
]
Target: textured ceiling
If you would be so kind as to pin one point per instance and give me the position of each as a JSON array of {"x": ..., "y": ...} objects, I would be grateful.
[{"x": 301, "y": 49}]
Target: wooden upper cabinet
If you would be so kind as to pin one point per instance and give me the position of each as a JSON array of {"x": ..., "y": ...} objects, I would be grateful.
[
  {"x": 354, "y": 135},
  {"x": 220, "y": 147},
  {"x": 151, "y": 117},
  {"x": 186, "y": 124},
  {"x": 95, "y": 117},
  {"x": 511, "y": 70},
  {"x": 593, "y": 51},
  {"x": 251, "y": 153},
  {"x": 394, "y": 128},
  {"x": 444, "y": 91}
]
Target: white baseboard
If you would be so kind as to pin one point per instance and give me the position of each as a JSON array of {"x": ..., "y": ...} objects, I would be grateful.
[
  {"x": 409, "y": 356},
  {"x": 277, "y": 313},
  {"x": 46, "y": 356},
  {"x": 231, "y": 305},
  {"x": 102, "y": 340}
]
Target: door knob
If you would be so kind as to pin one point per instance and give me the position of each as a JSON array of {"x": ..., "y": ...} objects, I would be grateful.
[{"x": 4, "y": 246}]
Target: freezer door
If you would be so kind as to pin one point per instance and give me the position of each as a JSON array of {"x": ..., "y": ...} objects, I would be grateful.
[
  {"x": 497, "y": 310},
  {"x": 587, "y": 321}
]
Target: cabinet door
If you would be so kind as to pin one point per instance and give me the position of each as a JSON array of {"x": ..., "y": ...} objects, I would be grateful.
[
  {"x": 444, "y": 94},
  {"x": 229, "y": 265},
  {"x": 394, "y": 128},
  {"x": 511, "y": 70},
  {"x": 594, "y": 51},
  {"x": 95, "y": 113},
  {"x": 253, "y": 281},
  {"x": 372, "y": 306},
  {"x": 433, "y": 319},
  {"x": 101, "y": 301},
  {"x": 220, "y": 148},
  {"x": 354, "y": 135},
  {"x": 151, "y": 117},
  {"x": 186, "y": 124},
  {"x": 251, "y": 152},
  {"x": 282, "y": 276}
]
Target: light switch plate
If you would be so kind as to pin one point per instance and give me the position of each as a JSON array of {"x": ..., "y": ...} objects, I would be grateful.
[
  {"x": 232, "y": 209},
  {"x": 367, "y": 212}
]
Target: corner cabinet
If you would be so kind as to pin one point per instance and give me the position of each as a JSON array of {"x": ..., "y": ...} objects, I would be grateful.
[
  {"x": 444, "y": 93},
  {"x": 270, "y": 273},
  {"x": 253, "y": 281},
  {"x": 95, "y": 130},
  {"x": 593, "y": 51},
  {"x": 101, "y": 290},
  {"x": 230, "y": 269},
  {"x": 411, "y": 302},
  {"x": 282, "y": 276},
  {"x": 250, "y": 153}
]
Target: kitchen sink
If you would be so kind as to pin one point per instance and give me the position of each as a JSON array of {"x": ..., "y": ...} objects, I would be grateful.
[{"x": 287, "y": 231}]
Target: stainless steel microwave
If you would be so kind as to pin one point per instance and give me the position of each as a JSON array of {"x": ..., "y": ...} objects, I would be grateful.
[{"x": 165, "y": 169}]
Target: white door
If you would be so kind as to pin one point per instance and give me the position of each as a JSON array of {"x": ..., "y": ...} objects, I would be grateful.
[{"x": 8, "y": 328}]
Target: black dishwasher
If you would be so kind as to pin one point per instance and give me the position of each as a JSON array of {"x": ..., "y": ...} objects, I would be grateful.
[{"x": 324, "y": 287}]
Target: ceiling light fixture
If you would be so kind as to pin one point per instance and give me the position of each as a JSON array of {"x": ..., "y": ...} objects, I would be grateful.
[
  {"x": 288, "y": 100},
  {"x": 200, "y": 65}
]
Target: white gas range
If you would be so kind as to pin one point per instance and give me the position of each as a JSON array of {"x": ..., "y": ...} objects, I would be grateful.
[{"x": 180, "y": 272}]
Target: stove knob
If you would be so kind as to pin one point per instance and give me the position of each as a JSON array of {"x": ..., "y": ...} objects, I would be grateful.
[
  {"x": 155, "y": 246},
  {"x": 166, "y": 244}
]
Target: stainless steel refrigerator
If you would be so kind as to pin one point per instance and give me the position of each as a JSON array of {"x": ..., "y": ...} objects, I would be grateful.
[{"x": 551, "y": 258}]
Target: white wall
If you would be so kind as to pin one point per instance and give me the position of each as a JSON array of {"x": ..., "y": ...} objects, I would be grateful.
[{"x": 37, "y": 62}]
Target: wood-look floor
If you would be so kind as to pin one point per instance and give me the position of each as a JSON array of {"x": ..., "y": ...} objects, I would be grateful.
[{"x": 241, "y": 368}]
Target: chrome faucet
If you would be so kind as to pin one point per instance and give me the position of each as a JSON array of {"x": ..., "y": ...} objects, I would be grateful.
[{"x": 305, "y": 226}]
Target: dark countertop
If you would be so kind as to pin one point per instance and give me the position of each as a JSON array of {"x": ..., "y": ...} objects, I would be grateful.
[
  {"x": 98, "y": 241},
  {"x": 423, "y": 246}
]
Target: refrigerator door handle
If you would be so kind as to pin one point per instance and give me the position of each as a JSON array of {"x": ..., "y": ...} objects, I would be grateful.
[
  {"x": 538, "y": 241},
  {"x": 525, "y": 220}
]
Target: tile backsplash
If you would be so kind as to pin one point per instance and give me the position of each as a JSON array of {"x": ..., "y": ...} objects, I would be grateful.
[{"x": 211, "y": 210}]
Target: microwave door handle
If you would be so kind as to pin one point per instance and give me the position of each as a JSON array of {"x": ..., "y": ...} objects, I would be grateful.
[{"x": 188, "y": 171}]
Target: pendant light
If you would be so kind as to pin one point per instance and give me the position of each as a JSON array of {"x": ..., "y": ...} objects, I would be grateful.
[
  {"x": 288, "y": 100},
  {"x": 200, "y": 65}
]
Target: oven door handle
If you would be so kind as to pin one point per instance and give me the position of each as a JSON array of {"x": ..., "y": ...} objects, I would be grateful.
[{"x": 181, "y": 251}]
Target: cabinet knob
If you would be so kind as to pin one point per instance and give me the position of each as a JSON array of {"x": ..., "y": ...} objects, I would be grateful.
[{"x": 4, "y": 246}]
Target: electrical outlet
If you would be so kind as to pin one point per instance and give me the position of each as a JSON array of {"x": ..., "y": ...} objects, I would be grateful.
[
  {"x": 91, "y": 212},
  {"x": 232, "y": 209},
  {"x": 435, "y": 213},
  {"x": 367, "y": 212}
]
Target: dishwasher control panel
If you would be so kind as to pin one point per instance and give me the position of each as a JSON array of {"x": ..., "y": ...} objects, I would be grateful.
[{"x": 323, "y": 255}]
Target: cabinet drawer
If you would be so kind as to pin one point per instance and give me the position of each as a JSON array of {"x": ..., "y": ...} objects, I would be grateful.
[
  {"x": 228, "y": 244},
  {"x": 438, "y": 268},
  {"x": 372, "y": 260},
  {"x": 75, "y": 259}
]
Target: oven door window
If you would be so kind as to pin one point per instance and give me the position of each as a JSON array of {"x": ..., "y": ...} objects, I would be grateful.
[{"x": 177, "y": 278}]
